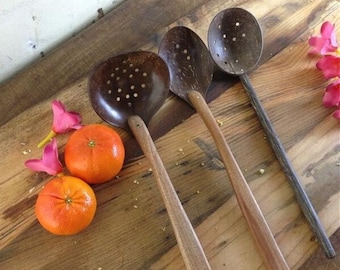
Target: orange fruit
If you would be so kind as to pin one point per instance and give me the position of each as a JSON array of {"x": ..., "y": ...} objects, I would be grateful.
[
  {"x": 94, "y": 153},
  {"x": 66, "y": 205}
]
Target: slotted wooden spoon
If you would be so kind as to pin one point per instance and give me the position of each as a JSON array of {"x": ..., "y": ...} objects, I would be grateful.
[
  {"x": 191, "y": 71},
  {"x": 126, "y": 91},
  {"x": 236, "y": 43}
]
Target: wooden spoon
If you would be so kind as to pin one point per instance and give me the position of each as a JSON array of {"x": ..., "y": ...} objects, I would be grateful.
[
  {"x": 126, "y": 91},
  {"x": 191, "y": 71},
  {"x": 235, "y": 42}
]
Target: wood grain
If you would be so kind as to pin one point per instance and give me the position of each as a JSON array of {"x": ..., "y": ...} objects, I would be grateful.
[
  {"x": 125, "y": 237},
  {"x": 189, "y": 245}
]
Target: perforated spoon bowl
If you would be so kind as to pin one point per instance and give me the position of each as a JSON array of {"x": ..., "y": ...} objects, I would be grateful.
[
  {"x": 191, "y": 71},
  {"x": 235, "y": 41},
  {"x": 126, "y": 91}
]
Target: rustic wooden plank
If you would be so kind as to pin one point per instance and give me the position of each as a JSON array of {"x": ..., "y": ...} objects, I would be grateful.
[{"x": 125, "y": 237}]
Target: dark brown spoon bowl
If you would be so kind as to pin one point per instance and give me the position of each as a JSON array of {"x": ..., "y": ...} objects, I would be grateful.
[
  {"x": 135, "y": 83},
  {"x": 189, "y": 62},
  {"x": 235, "y": 42}
]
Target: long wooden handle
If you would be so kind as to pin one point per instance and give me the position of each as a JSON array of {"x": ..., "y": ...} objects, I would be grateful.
[
  {"x": 188, "y": 243},
  {"x": 264, "y": 238},
  {"x": 300, "y": 194}
]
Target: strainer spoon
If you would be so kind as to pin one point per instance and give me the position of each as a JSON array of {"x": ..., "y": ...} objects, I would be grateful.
[
  {"x": 126, "y": 91},
  {"x": 191, "y": 71},
  {"x": 236, "y": 43}
]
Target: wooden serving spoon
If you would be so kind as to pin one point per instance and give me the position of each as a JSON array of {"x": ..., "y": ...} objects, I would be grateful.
[
  {"x": 236, "y": 43},
  {"x": 126, "y": 91}
]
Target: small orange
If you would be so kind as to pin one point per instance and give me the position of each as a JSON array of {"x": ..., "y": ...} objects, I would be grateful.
[
  {"x": 66, "y": 205},
  {"x": 94, "y": 153}
]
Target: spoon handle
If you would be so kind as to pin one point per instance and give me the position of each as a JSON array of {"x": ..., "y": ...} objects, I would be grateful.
[
  {"x": 301, "y": 196},
  {"x": 249, "y": 207},
  {"x": 189, "y": 245}
]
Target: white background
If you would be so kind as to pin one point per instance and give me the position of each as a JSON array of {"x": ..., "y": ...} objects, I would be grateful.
[{"x": 29, "y": 27}]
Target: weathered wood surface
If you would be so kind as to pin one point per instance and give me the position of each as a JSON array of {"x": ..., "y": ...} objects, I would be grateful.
[{"x": 131, "y": 229}]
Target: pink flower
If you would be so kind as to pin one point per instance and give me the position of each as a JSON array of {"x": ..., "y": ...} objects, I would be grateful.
[
  {"x": 330, "y": 66},
  {"x": 332, "y": 95},
  {"x": 336, "y": 114},
  {"x": 49, "y": 162},
  {"x": 63, "y": 121},
  {"x": 325, "y": 43}
]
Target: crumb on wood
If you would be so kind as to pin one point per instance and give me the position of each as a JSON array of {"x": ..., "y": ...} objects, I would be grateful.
[
  {"x": 314, "y": 239},
  {"x": 26, "y": 152},
  {"x": 219, "y": 122},
  {"x": 180, "y": 150},
  {"x": 261, "y": 171}
]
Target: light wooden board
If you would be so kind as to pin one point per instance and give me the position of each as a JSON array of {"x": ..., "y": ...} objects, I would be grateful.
[{"x": 125, "y": 237}]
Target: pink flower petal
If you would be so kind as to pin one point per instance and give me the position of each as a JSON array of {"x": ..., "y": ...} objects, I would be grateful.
[
  {"x": 317, "y": 44},
  {"x": 58, "y": 108},
  {"x": 49, "y": 162},
  {"x": 326, "y": 43},
  {"x": 38, "y": 166},
  {"x": 328, "y": 32},
  {"x": 332, "y": 95},
  {"x": 330, "y": 66},
  {"x": 336, "y": 114},
  {"x": 64, "y": 120}
]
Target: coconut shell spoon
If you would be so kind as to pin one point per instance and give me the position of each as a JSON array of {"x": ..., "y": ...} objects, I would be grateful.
[
  {"x": 126, "y": 91},
  {"x": 191, "y": 71},
  {"x": 236, "y": 43}
]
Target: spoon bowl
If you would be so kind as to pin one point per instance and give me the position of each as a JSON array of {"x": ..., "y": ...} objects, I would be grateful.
[
  {"x": 126, "y": 91},
  {"x": 236, "y": 43},
  {"x": 230, "y": 35},
  {"x": 123, "y": 85},
  {"x": 185, "y": 55}
]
